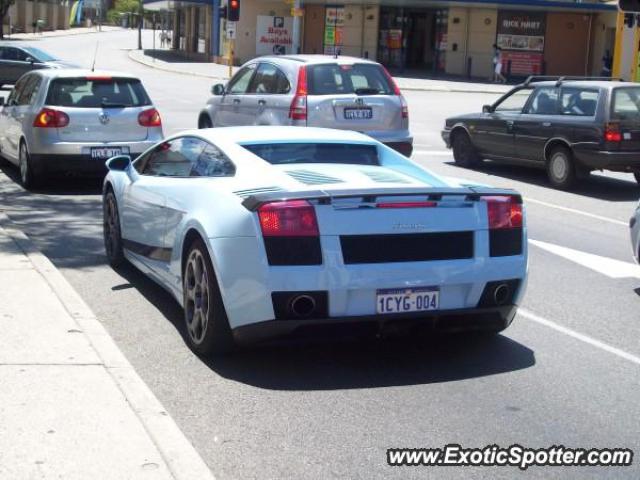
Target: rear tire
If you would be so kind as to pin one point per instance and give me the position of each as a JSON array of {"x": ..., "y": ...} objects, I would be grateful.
[
  {"x": 464, "y": 153},
  {"x": 28, "y": 177},
  {"x": 111, "y": 230},
  {"x": 561, "y": 169},
  {"x": 208, "y": 331},
  {"x": 205, "y": 122}
]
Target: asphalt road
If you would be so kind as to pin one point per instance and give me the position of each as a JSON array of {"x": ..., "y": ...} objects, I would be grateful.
[{"x": 565, "y": 373}]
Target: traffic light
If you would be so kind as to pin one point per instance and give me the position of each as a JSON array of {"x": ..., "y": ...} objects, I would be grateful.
[
  {"x": 234, "y": 10},
  {"x": 632, "y": 6}
]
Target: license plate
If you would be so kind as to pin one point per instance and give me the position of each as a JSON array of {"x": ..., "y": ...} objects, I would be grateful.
[
  {"x": 401, "y": 300},
  {"x": 358, "y": 113},
  {"x": 107, "y": 152}
]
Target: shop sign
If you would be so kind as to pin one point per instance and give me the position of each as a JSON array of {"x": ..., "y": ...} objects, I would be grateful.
[
  {"x": 273, "y": 35},
  {"x": 521, "y": 31},
  {"x": 333, "y": 29},
  {"x": 523, "y": 63}
]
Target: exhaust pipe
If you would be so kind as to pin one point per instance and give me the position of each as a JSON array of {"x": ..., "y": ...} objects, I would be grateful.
[
  {"x": 501, "y": 294},
  {"x": 302, "y": 305}
]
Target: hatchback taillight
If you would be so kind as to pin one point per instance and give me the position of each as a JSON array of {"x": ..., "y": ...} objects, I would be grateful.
[
  {"x": 50, "y": 118},
  {"x": 150, "y": 118},
  {"x": 298, "y": 108},
  {"x": 290, "y": 218},
  {"x": 503, "y": 211},
  {"x": 612, "y": 132}
]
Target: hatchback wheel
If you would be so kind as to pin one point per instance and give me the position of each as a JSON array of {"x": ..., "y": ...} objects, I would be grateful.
[
  {"x": 560, "y": 168},
  {"x": 206, "y": 320},
  {"x": 464, "y": 153},
  {"x": 111, "y": 230},
  {"x": 27, "y": 176}
]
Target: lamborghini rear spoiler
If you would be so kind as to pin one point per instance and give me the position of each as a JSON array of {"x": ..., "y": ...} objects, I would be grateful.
[{"x": 253, "y": 202}]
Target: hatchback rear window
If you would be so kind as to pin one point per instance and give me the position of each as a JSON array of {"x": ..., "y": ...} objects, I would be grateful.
[
  {"x": 289, "y": 153},
  {"x": 626, "y": 103},
  {"x": 97, "y": 93},
  {"x": 359, "y": 78}
]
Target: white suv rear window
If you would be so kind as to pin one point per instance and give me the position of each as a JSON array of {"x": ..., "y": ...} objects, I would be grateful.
[{"x": 359, "y": 78}]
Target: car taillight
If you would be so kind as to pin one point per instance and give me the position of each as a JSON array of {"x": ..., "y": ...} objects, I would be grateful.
[
  {"x": 392, "y": 82},
  {"x": 298, "y": 108},
  {"x": 405, "y": 107},
  {"x": 50, "y": 118},
  {"x": 150, "y": 118},
  {"x": 290, "y": 218},
  {"x": 503, "y": 211},
  {"x": 406, "y": 204},
  {"x": 612, "y": 132}
]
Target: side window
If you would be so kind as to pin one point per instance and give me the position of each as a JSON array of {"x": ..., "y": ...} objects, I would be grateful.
[
  {"x": 213, "y": 163},
  {"x": 269, "y": 80},
  {"x": 240, "y": 82},
  {"x": 29, "y": 91},
  {"x": 515, "y": 102},
  {"x": 17, "y": 91},
  {"x": 174, "y": 158},
  {"x": 544, "y": 101},
  {"x": 2, "y": 53},
  {"x": 579, "y": 102},
  {"x": 15, "y": 54}
]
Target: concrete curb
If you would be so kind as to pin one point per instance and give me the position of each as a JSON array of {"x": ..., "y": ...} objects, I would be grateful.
[
  {"x": 161, "y": 66},
  {"x": 183, "y": 462}
]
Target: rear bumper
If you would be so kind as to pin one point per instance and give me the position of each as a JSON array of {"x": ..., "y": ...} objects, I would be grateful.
[
  {"x": 81, "y": 165},
  {"x": 628, "y": 161},
  {"x": 405, "y": 148},
  {"x": 495, "y": 318}
]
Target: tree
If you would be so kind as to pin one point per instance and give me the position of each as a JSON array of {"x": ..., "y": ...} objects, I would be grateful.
[
  {"x": 4, "y": 9},
  {"x": 128, "y": 7}
]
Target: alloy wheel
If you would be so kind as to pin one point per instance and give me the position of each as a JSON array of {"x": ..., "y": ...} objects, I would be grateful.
[
  {"x": 111, "y": 226},
  {"x": 197, "y": 296}
]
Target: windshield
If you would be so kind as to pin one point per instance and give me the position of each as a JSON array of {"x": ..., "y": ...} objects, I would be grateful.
[
  {"x": 626, "y": 103},
  {"x": 289, "y": 153},
  {"x": 97, "y": 93},
  {"x": 359, "y": 78},
  {"x": 39, "y": 54}
]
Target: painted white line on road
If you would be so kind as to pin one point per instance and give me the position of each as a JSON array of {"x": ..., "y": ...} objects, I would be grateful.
[
  {"x": 610, "y": 267},
  {"x": 432, "y": 152},
  {"x": 579, "y": 336},
  {"x": 579, "y": 212}
]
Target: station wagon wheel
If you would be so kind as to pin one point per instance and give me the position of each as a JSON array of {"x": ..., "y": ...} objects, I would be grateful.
[
  {"x": 464, "y": 153},
  {"x": 27, "y": 176},
  {"x": 208, "y": 331},
  {"x": 205, "y": 122},
  {"x": 111, "y": 230},
  {"x": 560, "y": 168}
]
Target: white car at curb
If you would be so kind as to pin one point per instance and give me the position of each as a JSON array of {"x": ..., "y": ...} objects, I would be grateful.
[{"x": 271, "y": 232}]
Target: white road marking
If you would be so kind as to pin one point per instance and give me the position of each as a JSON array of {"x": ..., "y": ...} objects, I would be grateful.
[
  {"x": 579, "y": 336},
  {"x": 432, "y": 152},
  {"x": 579, "y": 212},
  {"x": 610, "y": 267}
]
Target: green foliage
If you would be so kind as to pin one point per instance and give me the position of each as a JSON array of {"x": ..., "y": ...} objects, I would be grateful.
[{"x": 120, "y": 7}]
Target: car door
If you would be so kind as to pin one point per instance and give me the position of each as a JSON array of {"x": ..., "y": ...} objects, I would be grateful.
[
  {"x": 538, "y": 123},
  {"x": 492, "y": 132},
  {"x": 236, "y": 108},
  {"x": 6, "y": 122},
  {"x": 269, "y": 91},
  {"x": 17, "y": 112}
]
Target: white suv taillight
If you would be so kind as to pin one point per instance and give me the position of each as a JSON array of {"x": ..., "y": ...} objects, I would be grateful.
[
  {"x": 396, "y": 91},
  {"x": 405, "y": 107},
  {"x": 290, "y": 218},
  {"x": 503, "y": 211},
  {"x": 298, "y": 108}
]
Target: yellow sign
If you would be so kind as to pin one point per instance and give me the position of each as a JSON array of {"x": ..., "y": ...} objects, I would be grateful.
[{"x": 297, "y": 12}]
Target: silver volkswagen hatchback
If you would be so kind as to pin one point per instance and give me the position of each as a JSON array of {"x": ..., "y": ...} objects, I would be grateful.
[
  {"x": 315, "y": 91},
  {"x": 71, "y": 121}
]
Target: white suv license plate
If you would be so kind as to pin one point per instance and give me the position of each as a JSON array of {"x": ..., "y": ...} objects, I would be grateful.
[
  {"x": 402, "y": 300},
  {"x": 104, "y": 153},
  {"x": 358, "y": 113}
]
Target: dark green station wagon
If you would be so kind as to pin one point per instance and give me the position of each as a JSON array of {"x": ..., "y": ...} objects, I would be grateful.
[{"x": 569, "y": 126}]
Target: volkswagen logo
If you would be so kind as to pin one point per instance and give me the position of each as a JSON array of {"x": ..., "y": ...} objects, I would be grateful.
[
  {"x": 104, "y": 118},
  {"x": 359, "y": 102}
]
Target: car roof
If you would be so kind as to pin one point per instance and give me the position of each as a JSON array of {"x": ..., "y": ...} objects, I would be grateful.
[
  {"x": 316, "y": 59},
  {"x": 81, "y": 72},
  {"x": 584, "y": 83},
  {"x": 277, "y": 134}
]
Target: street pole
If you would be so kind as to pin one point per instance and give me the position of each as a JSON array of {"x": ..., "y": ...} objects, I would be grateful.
[
  {"x": 296, "y": 29},
  {"x": 140, "y": 20}
]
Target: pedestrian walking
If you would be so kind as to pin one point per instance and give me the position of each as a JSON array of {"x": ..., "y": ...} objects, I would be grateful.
[
  {"x": 607, "y": 61},
  {"x": 497, "y": 65}
]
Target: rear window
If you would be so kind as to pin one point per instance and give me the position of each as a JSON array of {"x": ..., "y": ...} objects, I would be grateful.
[
  {"x": 359, "y": 78},
  {"x": 626, "y": 103},
  {"x": 97, "y": 93},
  {"x": 289, "y": 153}
]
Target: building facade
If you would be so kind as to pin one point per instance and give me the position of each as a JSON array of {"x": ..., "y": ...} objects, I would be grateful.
[
  {"x": 50, "y": 15},
  {"x": 418, "y": 36}
]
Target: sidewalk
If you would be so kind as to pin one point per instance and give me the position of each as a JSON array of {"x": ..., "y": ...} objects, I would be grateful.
[
  {"x": 71, "y": 405},
  {"x": 61, "y": 33},
  {"x": 167, "y": 61}
]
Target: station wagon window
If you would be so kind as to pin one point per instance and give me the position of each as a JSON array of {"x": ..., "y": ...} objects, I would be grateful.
[
  {"x": 544, "y": 101},
  {"x": 240, "y": 82},
  {"x": 12, "y": 53},
  {"x": 626, "y": 103},
  {"x": 578, "y": 102},
  {"x": 269, "y": 80},
  {"x": 514, "y": 102},
  {"x": 290, "y": 153},
  {"x": 185, "y": 157}
]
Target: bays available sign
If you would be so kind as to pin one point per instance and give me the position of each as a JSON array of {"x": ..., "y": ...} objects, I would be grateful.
[{"x": 274, "y": 35}]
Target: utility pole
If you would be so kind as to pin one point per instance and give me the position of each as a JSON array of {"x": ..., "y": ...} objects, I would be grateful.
[{"x": 140, "y": 20}]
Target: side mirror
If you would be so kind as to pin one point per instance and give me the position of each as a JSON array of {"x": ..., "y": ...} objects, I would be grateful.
[
  {"x": 31, "y": 60},
  {"x": 119, "y": 163},
  {"x": 217, "y": 89},
  {"x": 487, "y": 109}
]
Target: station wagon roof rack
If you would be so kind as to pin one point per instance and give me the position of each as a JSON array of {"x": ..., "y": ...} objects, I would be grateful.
[{"x": 560, "y": 79}]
